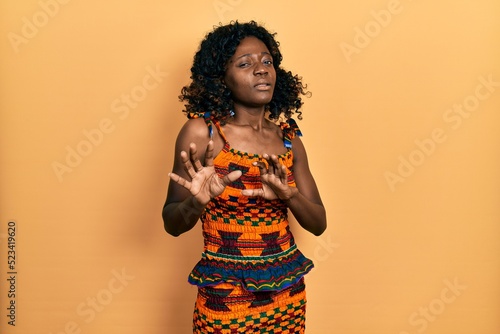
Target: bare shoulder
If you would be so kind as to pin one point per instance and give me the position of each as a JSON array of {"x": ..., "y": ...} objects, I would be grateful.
[
  {"x": 194, "y": 128},
  {"x": 197, "y": 131},
  {"x": 299, "y": 151},
  {"x": 193, "y": 131}
]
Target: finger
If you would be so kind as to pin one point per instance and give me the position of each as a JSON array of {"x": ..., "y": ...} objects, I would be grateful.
[
  {"x": 270, "y": 164},
  {"x": 209, "y": 154},
  {"x": 281, "y": 170},
  {"x": 180, "y": 180},
  {"x": 262, "y": 167},
  {"x": 276, "y": 165},
  {"x": 253, "y": 192},
  {"x": 284, "y": 174},
  {"x": 193, "y": 156},
  {"x": 188, "y": 166},
  {"x": 231, "y": 177}
]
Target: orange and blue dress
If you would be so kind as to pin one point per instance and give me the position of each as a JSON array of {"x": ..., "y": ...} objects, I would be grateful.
[{"x": 250, "y": 276}]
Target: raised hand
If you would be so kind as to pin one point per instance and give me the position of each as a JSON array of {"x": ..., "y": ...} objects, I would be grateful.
[
  {"x": 205, "y": 184},
  {"x": 274, "y": 180}
]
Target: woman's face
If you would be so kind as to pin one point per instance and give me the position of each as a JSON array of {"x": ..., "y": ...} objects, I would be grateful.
[{"x": 250, "y": 74}]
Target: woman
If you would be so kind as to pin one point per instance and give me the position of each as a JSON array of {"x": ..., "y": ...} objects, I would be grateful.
[{"x": 249, "y": 172}]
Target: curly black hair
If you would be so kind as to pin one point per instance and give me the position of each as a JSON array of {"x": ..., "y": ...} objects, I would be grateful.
[{"x": 207, "y": 95}]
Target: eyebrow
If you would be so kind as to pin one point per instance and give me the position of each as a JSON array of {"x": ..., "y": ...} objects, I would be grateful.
[{"x": 249, "y": 54}]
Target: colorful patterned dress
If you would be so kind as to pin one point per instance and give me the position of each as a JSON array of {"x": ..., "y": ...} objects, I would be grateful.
[{"x": 250, "y": 276}]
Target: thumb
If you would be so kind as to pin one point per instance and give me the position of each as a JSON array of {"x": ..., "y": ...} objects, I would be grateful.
[{"x": 231, "y": 177}]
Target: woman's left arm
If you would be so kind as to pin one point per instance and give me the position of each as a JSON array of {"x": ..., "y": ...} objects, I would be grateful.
[
  {"x": 305, "y": 204},
  {"x": 303, "y": 200}
]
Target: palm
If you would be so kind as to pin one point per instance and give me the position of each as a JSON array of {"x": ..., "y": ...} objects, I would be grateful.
[
  {"x": 205, "y": 184},
  {"x": 274, "y": 180},
  {"x": 273, "y": 187}
]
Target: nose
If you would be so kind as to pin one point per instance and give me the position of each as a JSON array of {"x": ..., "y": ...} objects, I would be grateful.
[{"x": 260, "y": 69}]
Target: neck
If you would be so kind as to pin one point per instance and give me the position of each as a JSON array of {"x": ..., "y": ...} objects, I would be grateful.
[{"x": 249, "y": 117}]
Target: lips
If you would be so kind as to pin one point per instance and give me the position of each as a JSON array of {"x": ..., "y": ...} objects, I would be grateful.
[{"x": 263, "y": 85}]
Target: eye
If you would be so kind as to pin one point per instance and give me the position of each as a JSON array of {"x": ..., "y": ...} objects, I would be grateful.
[
  {"x": 245, "y": 64},
  {"x": 268, "y": 62}
]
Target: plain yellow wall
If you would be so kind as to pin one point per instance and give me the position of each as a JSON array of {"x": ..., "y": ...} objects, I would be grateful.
[{"x": 402, "y": 133}]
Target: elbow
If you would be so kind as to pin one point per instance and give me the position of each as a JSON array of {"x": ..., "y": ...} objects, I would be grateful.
[
  {"x": 321, "y": 226},
  {"x": 319, "y": 230},
  {"x": 169, "y": 227},
  {"x": 174, "y": 234},
  {"x": 170, "y": 231}
]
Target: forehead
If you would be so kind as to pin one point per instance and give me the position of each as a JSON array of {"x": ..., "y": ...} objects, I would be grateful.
[{"x": 250, "y": 45}]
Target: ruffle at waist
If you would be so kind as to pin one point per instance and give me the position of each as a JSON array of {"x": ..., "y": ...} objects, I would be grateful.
[{"x": 260, "y": 273}]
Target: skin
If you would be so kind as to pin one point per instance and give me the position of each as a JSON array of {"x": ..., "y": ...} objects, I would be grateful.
[{"x": 251, "y": 78}]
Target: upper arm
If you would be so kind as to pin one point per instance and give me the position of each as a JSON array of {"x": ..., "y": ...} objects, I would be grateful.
[{"x": 302, "y": 174}]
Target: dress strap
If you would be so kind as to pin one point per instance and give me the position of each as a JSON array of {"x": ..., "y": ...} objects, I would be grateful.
[
  {"x": 219, "y": 129},
  {"x": 208, "y": 120},
  {"x": 290, "y": 130}
]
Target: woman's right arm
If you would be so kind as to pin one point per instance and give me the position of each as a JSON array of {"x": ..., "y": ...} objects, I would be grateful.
[
  {"x": 180, "y": 217},
  {"x": 192, "y": 184},
  {"x": 181, "y": 210}
]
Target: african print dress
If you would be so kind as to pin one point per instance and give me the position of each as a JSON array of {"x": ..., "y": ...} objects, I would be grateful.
[{"x": 250, "y": 276}]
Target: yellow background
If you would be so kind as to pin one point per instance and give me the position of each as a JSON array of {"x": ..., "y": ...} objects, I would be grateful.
[{"x": 411, "y": 187}]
